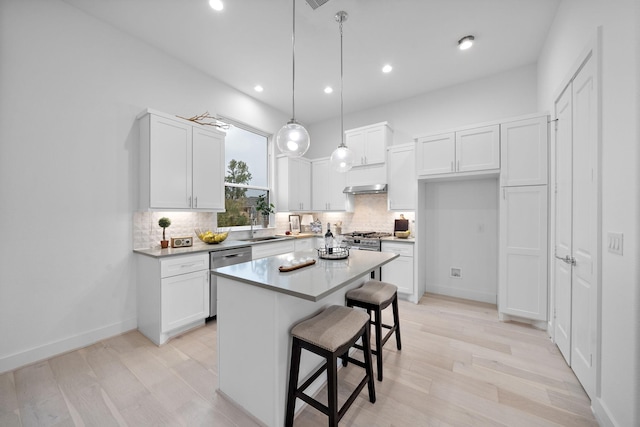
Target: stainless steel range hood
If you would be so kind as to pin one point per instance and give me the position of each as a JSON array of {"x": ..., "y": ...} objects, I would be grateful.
[{"x": 366, "y": 189}]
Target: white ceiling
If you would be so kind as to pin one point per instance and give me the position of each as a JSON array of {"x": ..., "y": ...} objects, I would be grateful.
[{"x": 249, "y": 43}]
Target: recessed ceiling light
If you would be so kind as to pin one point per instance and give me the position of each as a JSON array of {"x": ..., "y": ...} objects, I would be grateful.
[
  {"x": 216, "y": 5},
  {"x": 328, "y": 89},
  {"x": 466, "y": 42},
  {"x": 258, "y": 88},
  {"x": 387, "y": 68}
]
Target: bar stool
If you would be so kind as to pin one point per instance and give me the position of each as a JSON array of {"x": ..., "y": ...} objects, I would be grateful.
[
  {"x": 375, "y": 296},
  {"x": 330, "y": 334}
]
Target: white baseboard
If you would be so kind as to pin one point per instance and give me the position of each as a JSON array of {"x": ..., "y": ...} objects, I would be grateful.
[
  {"x": 602, "y": 414},
  {"x": 36, "y": 354},
  {"x": 463, "y": 293}
]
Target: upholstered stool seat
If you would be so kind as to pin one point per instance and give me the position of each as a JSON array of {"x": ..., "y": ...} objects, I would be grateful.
[
  {"x": 329, "y": 334},
  {"x": 375, "y": 296}
]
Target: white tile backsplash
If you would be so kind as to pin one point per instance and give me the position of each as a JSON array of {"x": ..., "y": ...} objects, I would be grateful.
[
  {"x": 370, "y": 214},
  {"x": 147, "y": 233}
]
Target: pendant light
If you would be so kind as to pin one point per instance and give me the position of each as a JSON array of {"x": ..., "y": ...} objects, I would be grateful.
[
  {"x": 293, "y": 139},
  {"x": 342, "y": 157}
]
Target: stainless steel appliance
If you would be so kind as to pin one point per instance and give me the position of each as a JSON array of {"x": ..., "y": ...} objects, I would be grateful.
[
  {"x": 365, "y": 241},
  {"x": 223, "y": 258}
]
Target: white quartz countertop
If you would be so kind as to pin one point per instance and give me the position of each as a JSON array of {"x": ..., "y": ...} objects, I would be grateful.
[
  {"x": 196, "y": 248},
  {"x": 313, "y": 282}
]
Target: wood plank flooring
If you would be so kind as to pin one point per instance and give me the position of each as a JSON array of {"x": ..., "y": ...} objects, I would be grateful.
[{"x": 459, "y": 366}]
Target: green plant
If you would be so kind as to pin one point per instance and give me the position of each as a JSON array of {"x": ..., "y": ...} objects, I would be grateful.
[
  {"x": 164, "y": 222},
  {"x": 263, "y": 206}
]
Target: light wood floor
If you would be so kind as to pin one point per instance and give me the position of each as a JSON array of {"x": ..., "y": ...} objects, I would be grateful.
[{"x": 459, "y": 366}]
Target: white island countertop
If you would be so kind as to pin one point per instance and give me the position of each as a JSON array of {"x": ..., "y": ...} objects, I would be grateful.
[{"x": 313, "y": 282}]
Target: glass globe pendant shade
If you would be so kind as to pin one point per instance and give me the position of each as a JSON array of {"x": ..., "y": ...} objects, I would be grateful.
[
  {"x": 293, "y": 139},
  {"x": 341, "y": 159}
]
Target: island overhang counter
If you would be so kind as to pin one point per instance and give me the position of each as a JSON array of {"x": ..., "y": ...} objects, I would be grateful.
[{"x": 257, "y": 307}]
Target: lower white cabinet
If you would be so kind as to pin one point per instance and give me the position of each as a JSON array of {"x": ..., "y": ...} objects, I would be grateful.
[
  {"x": 399, "y": 272},
  {"x": 303, "y": 244},
  {"x": 262, "y": 250},
  {"x": 522, "y": 258},
  {"x": 173, "y": 295}
]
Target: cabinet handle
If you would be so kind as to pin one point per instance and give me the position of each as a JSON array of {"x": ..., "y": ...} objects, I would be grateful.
[
  {"x": 452, "y": 166},
  {"x": 196, "y": 201},
  {"x": 504, "y": 193},
  {"x": 189, "y": 201},
  {"x": 458, "y": 166}
]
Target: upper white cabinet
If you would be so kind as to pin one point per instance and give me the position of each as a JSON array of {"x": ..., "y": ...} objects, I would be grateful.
[
  {"x": 524, "y": 152},
  {"x": 469, "y": 150},
  {"x": 293, "y": 180},
  {"x": 402, "y": 185},
  {"x": 369, "y": 143},
  {"x": 327, "y": 186},
  {"x": 181, "y": 164}
]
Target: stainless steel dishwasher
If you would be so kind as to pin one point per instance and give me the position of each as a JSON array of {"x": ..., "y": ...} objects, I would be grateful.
[{"x": 222, "y": 258}]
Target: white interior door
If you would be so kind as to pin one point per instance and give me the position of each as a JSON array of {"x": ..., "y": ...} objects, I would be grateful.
[
  {"x": 585, "y": 227},
  {"x": 563, "y": 224},
  {"x": 577, "y": 226}
]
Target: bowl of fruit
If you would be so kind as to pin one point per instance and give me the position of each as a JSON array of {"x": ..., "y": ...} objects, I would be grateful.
[
  {"x": 210, "y": 237},
  {"x": 403, "y": 234}
]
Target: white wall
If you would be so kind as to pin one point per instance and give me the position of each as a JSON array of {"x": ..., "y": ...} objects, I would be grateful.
[
  {"x": 462, "y": 232},
  {"x": 71, "y": 88},
  {"x": 508, "y": 94},
  {"x": 576, "y": 22}
]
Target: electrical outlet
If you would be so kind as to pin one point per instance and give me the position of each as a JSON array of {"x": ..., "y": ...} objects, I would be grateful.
[
  {"x": 615, "y": 243},
  {"x": 456, "y": 273}
]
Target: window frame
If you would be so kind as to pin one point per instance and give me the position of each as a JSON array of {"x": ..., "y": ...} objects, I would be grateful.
[{"x": 270, "y": 169}]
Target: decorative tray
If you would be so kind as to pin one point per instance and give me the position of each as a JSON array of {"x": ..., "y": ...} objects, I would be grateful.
[
  {"x": 333, "y": 253},
  {"x": 285, "y": 268}
]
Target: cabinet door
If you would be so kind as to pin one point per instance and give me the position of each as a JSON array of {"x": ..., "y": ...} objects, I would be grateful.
[
  {"x": 523, "y": 152},
  {"x": 169, "y": 164},
  {"x": 399, "y": 272},
  {"x": 401, "y": 178},
  {"x": 302, "y": 184},
  {"x": 478, "y": 149},
  {"x": 320, "y": 185},
  {"x": 208, "y": 170},
  {"x": 522, "y": 271},
  {"x": 375, "y": 145},
  {"x": 355, "y": 141},
  {"x": 262, "y": 250},
  {"x": 336, "y": 199},
  {"x": 185, "y": 299},
  {"x": 435, "y": 154}
]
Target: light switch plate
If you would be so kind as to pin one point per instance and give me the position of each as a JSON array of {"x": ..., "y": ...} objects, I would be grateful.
[{"x": 615, "y": 243}]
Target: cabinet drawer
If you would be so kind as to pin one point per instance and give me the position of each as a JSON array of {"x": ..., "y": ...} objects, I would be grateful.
[
  {"x": 184, "y": 264},
  {"x": 402, "y": 249}
]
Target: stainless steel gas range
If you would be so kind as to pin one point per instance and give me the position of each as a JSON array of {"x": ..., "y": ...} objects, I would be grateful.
[{"x": 365, "y": 241}]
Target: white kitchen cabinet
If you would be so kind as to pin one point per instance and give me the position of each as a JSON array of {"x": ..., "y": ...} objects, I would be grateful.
[
  {"x": 463, "y": 151},
  {"x": 303, "y": 244},
  {"x": 173, "y": 295},
  {"x": 399, "y": 272},
  {"x": 181, "y": 164},
  {"x": 327, "y": 188},
  {"x": 293, "y": 178},
  {"x": 522, "y": 252},
  {"x": 524, "y": 152},
  {"x": 261, "y": 250},
  {"x": 402, "y": 185},
  {"x": 369, "y": 143}
]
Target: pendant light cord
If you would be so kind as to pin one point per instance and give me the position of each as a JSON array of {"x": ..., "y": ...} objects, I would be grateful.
[
  {"x": 293, "y": 49},
  {"x": 341, "y": 89}
]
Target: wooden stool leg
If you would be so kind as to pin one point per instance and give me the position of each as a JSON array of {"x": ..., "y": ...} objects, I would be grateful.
[
  {"x": 368, "y": 364},
  {"x": 332, "y": 388},
  {"x": 293, "y": 382},
  {"x": 378, "y": 324},
  {"x": 396, "y": 321}
]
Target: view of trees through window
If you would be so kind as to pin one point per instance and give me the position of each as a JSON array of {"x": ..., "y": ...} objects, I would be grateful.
[{"x": 246, "y": 176}]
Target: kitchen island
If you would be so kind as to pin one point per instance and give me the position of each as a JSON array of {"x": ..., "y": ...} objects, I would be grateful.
[{"x": 258, "y": 305}]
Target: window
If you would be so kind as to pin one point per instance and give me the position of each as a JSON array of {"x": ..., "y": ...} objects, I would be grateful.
[{"x": 246, "y": 175}]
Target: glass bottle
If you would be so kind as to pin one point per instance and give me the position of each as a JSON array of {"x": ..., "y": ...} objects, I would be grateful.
[{"x": 328, "y": 240}]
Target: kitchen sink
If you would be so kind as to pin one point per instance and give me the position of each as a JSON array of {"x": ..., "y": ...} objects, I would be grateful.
[{"x": 262, "y": 239}]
